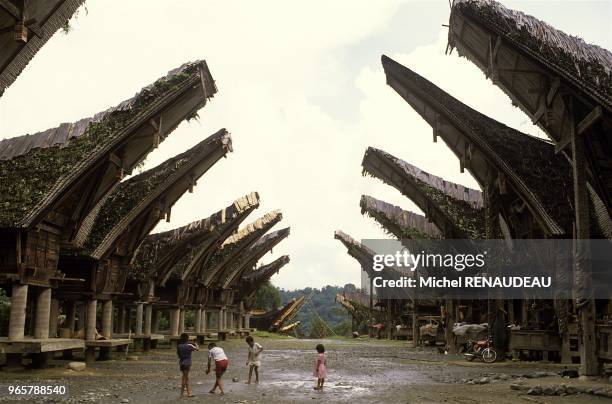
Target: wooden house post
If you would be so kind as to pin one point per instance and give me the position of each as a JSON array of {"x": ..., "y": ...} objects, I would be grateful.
[
  {"x": 155, "y": 320},
  {"x": 90, "y": 326},
  {"x": 204, "y": 322},
  {"x": 53, "y": 315},
  {"x": 174, "y": 321},
  {"x": 138, "y": 330},
  {"x": 198, "y": 319},
  {"x": 43, "y": 310},
  {"x": 247, "y": 321},
  {"x": 107, "y": 319},
  {"x": 589, "y": 365},
  {"x": 17, "y": 317},
  {"x": 181, "y": 321},
  {"x": 148, "y": 319}
]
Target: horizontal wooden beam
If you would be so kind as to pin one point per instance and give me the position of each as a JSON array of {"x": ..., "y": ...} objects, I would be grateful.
[
  {"x": 589, "y": 120},
  {"x": 11, "y": 9}
]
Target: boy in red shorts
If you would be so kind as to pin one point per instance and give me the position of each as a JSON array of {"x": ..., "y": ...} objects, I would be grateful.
[{"x": 218, "y": 355}]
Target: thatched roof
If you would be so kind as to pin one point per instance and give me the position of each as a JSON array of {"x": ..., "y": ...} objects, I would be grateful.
[
  {"x": 264, "y": 272},
  {"x": 235, "y": 245},
  {"x": 43, "y": 19},
  {"x": 249, "y": 259},
  {"x": 452, "y": 207},
  {"x": 251, "y": 281},
  {"x": 363, "y": 254},
  {"x": 401, "y": 223},
  {"x": 37, "y": 170},
  {"x": 541, "y": 177},
  {"x": 585, "y": 65},
  {"x": 149, "y": 191},
  {"x": 159, "y": 252}
]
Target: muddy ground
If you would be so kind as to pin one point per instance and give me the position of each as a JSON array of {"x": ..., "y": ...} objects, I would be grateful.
[{"x": 358, "y": 371}]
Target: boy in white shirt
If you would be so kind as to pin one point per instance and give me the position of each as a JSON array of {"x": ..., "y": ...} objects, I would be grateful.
[
  {"x": 254, "y": 358},
  {"x": 221, "y": 363}
]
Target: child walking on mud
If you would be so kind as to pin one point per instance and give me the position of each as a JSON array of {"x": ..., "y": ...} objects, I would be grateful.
[
  {"x": 253, "y": 359},
  {"x": 217, "y": 354},
  {"x": 184, "y": 350},
  {"x": 320, "y": 370}
]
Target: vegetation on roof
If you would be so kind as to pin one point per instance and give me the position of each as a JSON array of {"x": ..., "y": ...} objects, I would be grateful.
[
  {"x": 587, "y": 63},
  {"x": 130, "y": 193},
  {"x": 25, "y": 180}
]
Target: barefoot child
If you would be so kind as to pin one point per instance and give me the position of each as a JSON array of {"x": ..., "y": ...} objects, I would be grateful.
[
  {"x": 254, "y": 359},
  {"x": 184, "y": 350},
  {"x": 320, "y": 370},
  {"x": 218, "y": 355}
]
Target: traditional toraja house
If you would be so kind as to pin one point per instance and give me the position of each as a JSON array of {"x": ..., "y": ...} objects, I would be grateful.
[
  {"x": 51, "y": 181},
  {"x": 167, "y": 254},
  {"x": 365, "y": 256},
  {"x": 403, "y": 225},
  {"x": 564, "y": 85},
  {"x": 118, "y": 225},
  {"x": 456, "y": 210},
  {"x": 280, "y": 320},
  {"x": 25, "y": 28},
  {"x": 251, "y": 281},
  {"x": 209, "y": 274}
]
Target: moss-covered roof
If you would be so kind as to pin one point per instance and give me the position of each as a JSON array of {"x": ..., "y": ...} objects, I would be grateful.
[
  {"x": 236, "y": 244},
  {"x": 401, "y": 223},
  {"x": 129, "y": 195},
  {"x": 34, "y": 169},
  {"x": 461, "y": 206},
  {"x": 587, "y": 65},
  {"x": 156, "y": 248},
  {"x": 541, "y": 176}
]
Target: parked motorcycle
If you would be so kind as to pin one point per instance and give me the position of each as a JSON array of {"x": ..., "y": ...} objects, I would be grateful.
[{"x": 481, "y": 349}]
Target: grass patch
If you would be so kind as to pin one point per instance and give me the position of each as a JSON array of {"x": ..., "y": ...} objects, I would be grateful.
[{"x": 271, "y": 335}]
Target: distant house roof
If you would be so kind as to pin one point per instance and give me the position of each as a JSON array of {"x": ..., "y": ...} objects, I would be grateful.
[
  {"x": 452, "y": 207},
  {"x": 42, "y": 19},
  {"x": 135, "y": 196},
  {"x": 249, "y": 259},
  {"x": 159, "y": 252},
  {"x": 586, "y": 65},
  {"x": 37, "y": 170},
  {"x": 237, "y": 244},
  {"x": 401, "y": 223},
  {"x": 363, "y": 254},
  {"x": 541, "y": 177}
]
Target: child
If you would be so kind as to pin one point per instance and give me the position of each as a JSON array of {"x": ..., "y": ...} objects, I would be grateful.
[
  {"x": 218, "y": 355},
  {"x": 184, "y": 350},
  {"x": 253, "y": 360},
  {"x": 320, "y": 370}
]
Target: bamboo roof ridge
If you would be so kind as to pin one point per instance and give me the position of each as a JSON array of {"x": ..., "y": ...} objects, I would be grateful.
[
  {"x": 586, "y": 65},
  {"x": 252, "y": 255},
  {"x": 234, "y": 246},
  {"x": 398, "y": 222},
  {"x": 450, "y": 206},
  {"x": 132, "y": 197},
  {"x": 159, "y": 252},
  {"x": 45, "y": 19},
  {"x": 36, "y": 170},
  {"x": 538, "y": 174}
]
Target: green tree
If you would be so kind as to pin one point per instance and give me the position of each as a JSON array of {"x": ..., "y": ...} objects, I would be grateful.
[
  {"x": 318, "y": 329},
  {"x": 267, "y": 297}
]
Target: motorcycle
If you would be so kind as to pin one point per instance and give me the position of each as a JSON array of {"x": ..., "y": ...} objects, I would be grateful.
[{"x": 481, "y": 349}]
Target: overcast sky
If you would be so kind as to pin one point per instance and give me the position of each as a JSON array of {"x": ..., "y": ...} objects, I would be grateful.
[{"x": 301, "y": 90}]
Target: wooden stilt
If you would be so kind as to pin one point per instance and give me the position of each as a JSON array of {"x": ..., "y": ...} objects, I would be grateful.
[{"x": 19, "y": 299}]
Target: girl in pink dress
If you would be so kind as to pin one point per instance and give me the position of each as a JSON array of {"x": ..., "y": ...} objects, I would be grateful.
[{"x": 320, "y": 370}]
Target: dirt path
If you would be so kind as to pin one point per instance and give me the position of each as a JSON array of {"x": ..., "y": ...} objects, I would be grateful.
[{"x": 358, "y": 371}]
